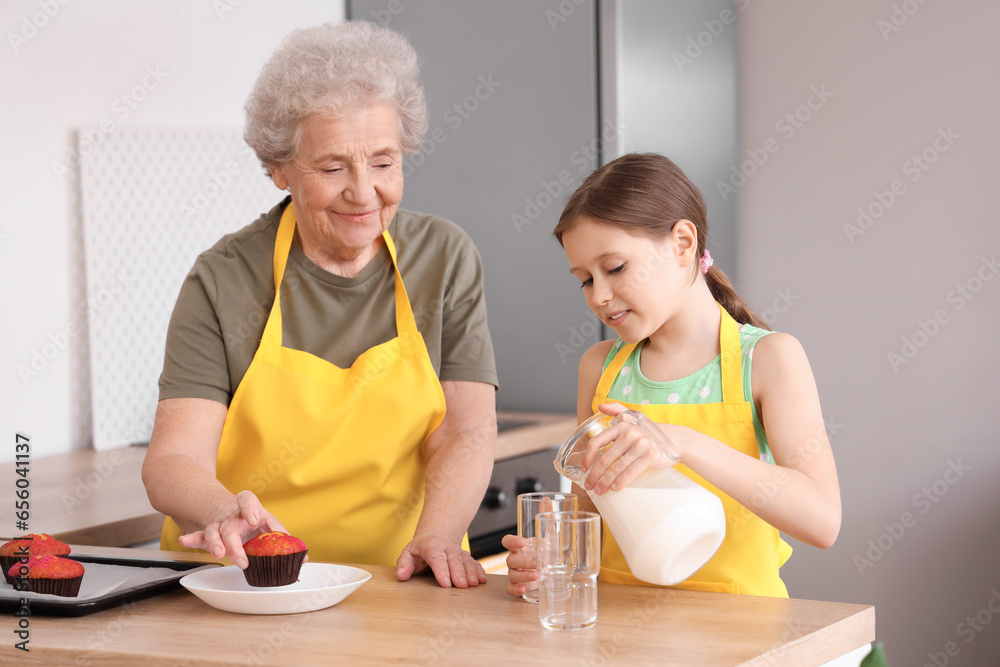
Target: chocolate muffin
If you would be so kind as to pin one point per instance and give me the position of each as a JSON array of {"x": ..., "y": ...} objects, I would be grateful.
[{"x": 274, "y": 558}]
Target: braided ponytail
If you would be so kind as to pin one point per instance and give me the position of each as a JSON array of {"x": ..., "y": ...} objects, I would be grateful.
[{"x": 646, "y": 194}]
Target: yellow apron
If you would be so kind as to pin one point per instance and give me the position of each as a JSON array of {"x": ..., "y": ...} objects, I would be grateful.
[
  {"x": 750, "y": 556},
  {"x": 336, "y": 454}
]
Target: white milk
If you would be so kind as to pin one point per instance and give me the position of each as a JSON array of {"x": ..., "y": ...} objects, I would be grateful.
[{"x": 666, "y": 525}]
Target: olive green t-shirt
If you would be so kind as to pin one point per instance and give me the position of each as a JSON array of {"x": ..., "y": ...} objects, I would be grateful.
[{"x": 225, "y": 300}]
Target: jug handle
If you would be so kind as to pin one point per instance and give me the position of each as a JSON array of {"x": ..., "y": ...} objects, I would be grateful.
[{"x": 655, "y": 434}]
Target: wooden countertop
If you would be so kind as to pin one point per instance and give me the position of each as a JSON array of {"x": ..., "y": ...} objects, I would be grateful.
[
  {"x": 97, "y": 498},
  {"x": 419, "y": 623},
  {"x": 546, "y": 430}
]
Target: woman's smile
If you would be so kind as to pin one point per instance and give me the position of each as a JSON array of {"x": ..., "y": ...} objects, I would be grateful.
[{"x": 357, "y": 218}]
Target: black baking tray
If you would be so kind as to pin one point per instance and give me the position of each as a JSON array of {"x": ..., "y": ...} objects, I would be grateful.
[{"x": 63, "y": 606}]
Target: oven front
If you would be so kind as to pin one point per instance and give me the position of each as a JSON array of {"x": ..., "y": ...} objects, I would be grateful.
[{"x": 497, "y": 515}]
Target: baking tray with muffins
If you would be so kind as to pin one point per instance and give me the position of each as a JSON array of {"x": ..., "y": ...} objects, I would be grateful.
[{"x": 125, "y": 568}]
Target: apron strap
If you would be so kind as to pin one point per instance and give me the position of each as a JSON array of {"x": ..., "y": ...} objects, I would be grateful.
[
  {"x": 283, "y": 244},
  {"x": 731, "y": 358},
  {"x": 406, "y": 325},
  {"x": 271, "y": 338},
  {"x": 610, "y": 373}
]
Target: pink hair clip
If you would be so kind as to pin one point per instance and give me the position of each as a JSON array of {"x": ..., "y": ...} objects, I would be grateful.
[{"x": 706, "y": 261}]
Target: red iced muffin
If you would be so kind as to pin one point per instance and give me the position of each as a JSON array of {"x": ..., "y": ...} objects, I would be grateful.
[
  {"x": 50, "y": 574},
  {"x": 36, "y": 545},
  {"x": 274, "y": 559}
]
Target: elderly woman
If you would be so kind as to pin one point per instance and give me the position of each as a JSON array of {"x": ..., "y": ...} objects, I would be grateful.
[{"x": 328, "y": 368}]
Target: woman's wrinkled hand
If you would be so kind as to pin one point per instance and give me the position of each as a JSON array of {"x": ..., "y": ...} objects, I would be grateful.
[
  {"x": 449, "y": 562},
  {"x": 618, "y": 455},
  {"x": 520, "y": 566},
  {"x": 234, "y": 526}
]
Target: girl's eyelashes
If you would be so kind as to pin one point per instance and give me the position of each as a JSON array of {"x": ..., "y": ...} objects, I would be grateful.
[{"x": 611, "y": 272}]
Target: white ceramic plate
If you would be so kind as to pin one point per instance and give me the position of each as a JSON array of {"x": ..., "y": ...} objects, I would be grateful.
[{"x": 320, "y": 585}]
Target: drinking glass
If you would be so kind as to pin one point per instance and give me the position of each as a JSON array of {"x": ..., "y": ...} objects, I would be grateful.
[
  {"x": 528, "y": 506},
  {"x": 568, "y": 557}
]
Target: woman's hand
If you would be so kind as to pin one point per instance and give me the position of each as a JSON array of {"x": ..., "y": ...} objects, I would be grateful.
[
  {"x": 628, "y": 450},
  {"x": 225, "y": 536},
  {"x": 451, "y": 564},
  {"x": 520, "y": 566}
]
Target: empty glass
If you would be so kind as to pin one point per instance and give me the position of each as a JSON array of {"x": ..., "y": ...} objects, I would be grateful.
[
  {"x": 568, "y": 556},
  {"x": 528, "y": 506}
]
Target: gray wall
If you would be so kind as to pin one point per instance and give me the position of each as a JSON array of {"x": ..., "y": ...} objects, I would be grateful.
[
  {"x": 919, "y": 542},
  {"x": 512, "y": 97}
]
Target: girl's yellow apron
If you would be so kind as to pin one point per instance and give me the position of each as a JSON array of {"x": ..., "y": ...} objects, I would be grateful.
[
  {"x": 749, "y": 558},
  {"x": 336, "y": 454}
]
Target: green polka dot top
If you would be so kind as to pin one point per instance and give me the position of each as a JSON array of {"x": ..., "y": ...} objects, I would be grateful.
[{"x": 702, "y": 386}]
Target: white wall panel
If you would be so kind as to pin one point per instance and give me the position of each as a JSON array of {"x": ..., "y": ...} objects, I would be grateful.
[{"x": 153, "y": 199}]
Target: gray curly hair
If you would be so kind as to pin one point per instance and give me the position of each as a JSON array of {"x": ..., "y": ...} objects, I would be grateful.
[{"x": 333, "y": 68}]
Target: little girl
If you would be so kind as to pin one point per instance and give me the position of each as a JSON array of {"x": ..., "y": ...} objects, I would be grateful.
[{"x": 737, "y": 401}]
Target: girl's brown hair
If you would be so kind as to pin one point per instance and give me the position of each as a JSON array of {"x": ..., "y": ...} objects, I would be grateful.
[{"x": 646, "y": 194}]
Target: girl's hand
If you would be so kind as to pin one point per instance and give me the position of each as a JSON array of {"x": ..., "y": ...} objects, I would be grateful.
[
  {"x": 226, "y": 535},
  {"x": 520, "y": 566},
  {"x": 628, "y": 450}
]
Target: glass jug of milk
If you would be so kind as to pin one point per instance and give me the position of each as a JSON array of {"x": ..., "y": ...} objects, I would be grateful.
[{"x": 666, "y": 525}]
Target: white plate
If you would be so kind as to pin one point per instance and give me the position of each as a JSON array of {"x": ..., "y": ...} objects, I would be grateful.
[{"x": 320, "y": 585}]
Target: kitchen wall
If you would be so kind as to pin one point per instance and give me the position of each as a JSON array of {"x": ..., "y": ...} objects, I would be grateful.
[
  {"x": 111, "y": 65},
  {"x": 871, "y": 233}
]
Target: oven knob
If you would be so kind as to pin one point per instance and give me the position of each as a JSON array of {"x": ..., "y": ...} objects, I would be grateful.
[
  {"x": 495, "y": 498},
  {"x": 528, "y": 485}
]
